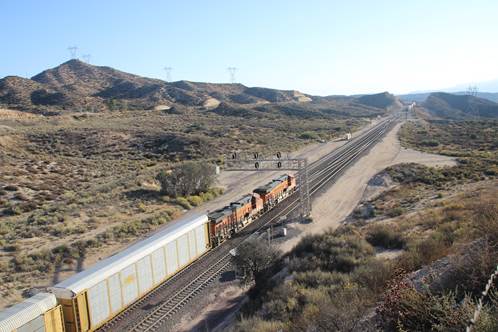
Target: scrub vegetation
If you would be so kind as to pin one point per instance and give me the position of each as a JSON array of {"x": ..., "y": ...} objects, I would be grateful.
[
  {"x": 418, "y": 262},
  {"x": 76, "y": 187}
]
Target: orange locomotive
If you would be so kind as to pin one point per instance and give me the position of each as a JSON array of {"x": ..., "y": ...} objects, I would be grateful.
[{"x": 227, "y": 221}]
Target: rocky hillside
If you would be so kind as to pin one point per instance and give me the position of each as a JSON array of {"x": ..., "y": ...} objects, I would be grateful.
[
  {"x": 76, "y": 84},
  {"x": 446, "y": 105}
]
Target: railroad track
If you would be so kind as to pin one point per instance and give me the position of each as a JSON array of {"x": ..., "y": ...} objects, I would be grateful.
[{"x": 150, "y": 312}]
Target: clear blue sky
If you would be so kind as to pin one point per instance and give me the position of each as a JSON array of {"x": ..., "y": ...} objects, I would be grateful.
[{"x": 320, "y": 47}]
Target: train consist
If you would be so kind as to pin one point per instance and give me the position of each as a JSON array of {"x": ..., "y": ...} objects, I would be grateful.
[
  {"x": 89, "y": 299},
  {"x": 225, "y": 222}
]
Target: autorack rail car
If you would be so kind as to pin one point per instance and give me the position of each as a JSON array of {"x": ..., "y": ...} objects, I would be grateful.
[
  {"x": 91, "y": 298},
  {"x": 37, "y": 313}
]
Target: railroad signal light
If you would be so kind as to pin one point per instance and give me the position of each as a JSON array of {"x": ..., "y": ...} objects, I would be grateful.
[{"x": 256, "y": 165}]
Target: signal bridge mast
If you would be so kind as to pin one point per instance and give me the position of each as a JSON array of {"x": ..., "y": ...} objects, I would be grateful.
[{"x": 258, "y": 162}]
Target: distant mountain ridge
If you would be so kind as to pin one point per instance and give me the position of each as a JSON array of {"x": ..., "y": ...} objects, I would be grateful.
[
  {"x": 421, "y": 97},
  {"x": 76, "y": 85},
  {"x": 450, "y": 106}
]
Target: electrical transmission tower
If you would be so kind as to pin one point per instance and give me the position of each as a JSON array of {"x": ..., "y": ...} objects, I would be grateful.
[
  {"x": 73, "y": 51},
  {"x": 472, "y": 108},
  {"x": 257, "y": 162},
  {"x": 472, "y": 90},
  {"x": 232, "y": 71},
  {"x": 168, "y": 73},
  {"x": 86, "y": 58}
]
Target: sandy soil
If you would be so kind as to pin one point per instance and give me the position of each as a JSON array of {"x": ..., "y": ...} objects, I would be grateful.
[{"x": 339, "y": 200}]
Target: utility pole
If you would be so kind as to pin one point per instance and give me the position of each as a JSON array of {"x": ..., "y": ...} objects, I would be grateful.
[
  {"x": 73, "y": 51},
  {"x": 232, "y": 71},
  {"x": 168, "y": 73}
]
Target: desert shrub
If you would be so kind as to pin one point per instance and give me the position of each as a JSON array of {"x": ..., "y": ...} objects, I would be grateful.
[
  {"x": 254, "y": 258},
  {"x": 282, "y": 303},
  {"x": 188, "y": 178},
  {"x": 183, "y": 202},
  {"x": 386, "y": 236},
  {"x": 318, "y": 278},
  {"x": 342, "y": 310},
  {"x": 395, "y": 212},
  {"x": 406, "y": 309},
  {"x": 374, "y": 275},
  {"x": 194, "y": 200},
  {"x": 422, "y": 252},
  {"x": 309, "y": 135},
  {"x": 429, "y": 142},
  {"x": 330, "y": 252},
  {"x": 258, "y": 324}
]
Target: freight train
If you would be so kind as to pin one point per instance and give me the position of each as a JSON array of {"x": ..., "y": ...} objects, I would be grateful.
[{"x": 89, "y": 299}]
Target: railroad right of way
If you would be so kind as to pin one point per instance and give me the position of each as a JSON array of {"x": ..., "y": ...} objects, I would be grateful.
[{"x": 166, "y": 301}]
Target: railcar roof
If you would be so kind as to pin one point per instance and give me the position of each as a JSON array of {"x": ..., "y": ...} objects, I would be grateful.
[
  {"x": 16, "y": 316},
  {"x": 113, "y": 264}
]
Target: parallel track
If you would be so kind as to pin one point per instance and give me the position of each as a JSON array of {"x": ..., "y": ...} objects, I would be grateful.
[{"x": 150, "y": 312}]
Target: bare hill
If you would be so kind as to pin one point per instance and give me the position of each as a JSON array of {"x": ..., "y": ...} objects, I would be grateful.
[
  {"x": 78, "y": 84},
  {"x": 446, "y": 105}
]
